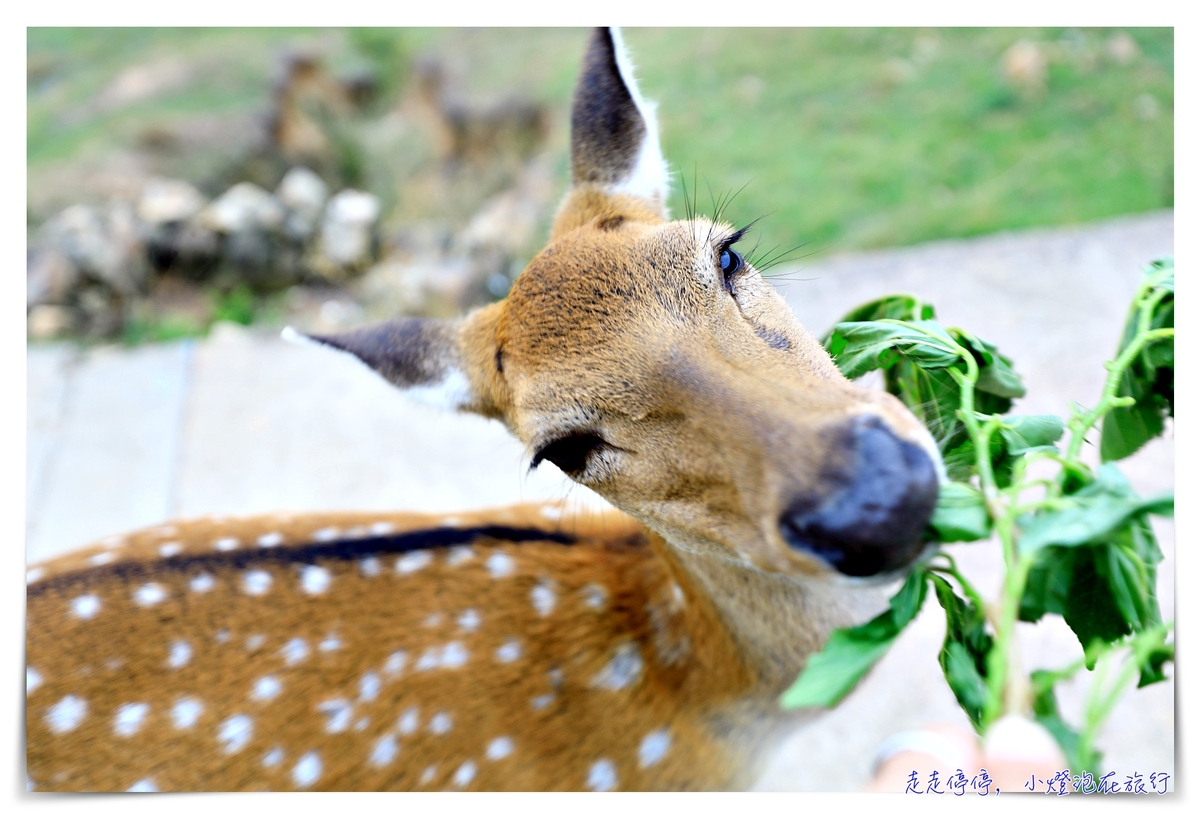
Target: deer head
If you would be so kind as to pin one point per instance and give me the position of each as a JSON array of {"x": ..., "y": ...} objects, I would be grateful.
[{"x": 649, "y": 361}]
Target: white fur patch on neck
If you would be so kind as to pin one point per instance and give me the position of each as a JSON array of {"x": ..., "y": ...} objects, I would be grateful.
[{"x": 649, "y": 178}]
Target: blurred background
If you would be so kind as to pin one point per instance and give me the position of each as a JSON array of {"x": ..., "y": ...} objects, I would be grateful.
[{"x": 192, "y": 191}]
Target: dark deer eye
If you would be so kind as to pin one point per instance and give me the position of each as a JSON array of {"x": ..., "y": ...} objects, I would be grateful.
[
  {"x": 569, "y": 453},
  {"x": 731, "y": 262}
]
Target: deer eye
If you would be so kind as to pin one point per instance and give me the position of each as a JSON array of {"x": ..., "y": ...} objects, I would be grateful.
[
  {"x": 731, "y": 262},
  {"x": 569, "y": 453}
]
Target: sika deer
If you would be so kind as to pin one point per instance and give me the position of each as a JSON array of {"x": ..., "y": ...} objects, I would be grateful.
[{"x": 512, "y": 649}]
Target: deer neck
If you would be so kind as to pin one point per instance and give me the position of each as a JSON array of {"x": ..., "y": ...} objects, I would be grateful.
[{"x": 775, "y": 621}]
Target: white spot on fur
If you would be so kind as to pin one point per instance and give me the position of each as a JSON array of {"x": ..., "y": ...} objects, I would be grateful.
[
  {"x": 222, "y": 636},
  {"x": 433, "y": 620},
  {"x": 454, "y": 655},
  {"x": 510, "y": 651},
  {"x": 394, "y": 665},
  {"x": 552, "y": 512},
  {"x": 67, "y": 714},
  {"x": 226, "y": 544},
  {"x": 501, "y": 564},
  {"x": 235, "y": 733},
  {"x": 677, "y": 594},
  {"x": 369, "y": 567},
  {"x": 256, "y": 641},
  {"x": 270, "y": 540},
  {"x": 469, "y": 620},
  {"x": 181, "y": 654},
  {"x": 361, "y": 724},
  {"x": 451, "y": 522},
  {"x": 622, "y": 670},
  {"x": 145, "y": 785},
  {"x": 273, "y": 758},
  {"x": 369, "y": 686},
  {"x": 542, "y": 702},
  {"x": 186, "y": 713},
  {"x": 653, "y": 748},
  {"x": 129, "y": 718},
  {"x": 459, "y": 554},
  {"x": 452, "y": 392},
  {"x": 202, "y": 583},
  {"x": 33, "y": 680},
  {"x": 409, "y": 722},
  {"x": 330, "y": 643},
  {"x": 103, "y": 558},
  {"x": 326, "y": 534},
  {"x": 266, "y": 689},
  {"x": 594, "y": 596},
  {"x": 464, "y": 774},
  {"x": 339, "y": 712},
  {"x": 413, "y": 561},
  {"x": 499, "y": 748},
  {"x": 295, "y": 651},
  {"x": 556, "y": 677},
  {"x": 256, "y": 583},
  {"x": 34, "y": 574},
  {"x": 602, "y": 776},
  {"x": 170, "y": 549},
  {"x": 440, "y": 724},
  {"x": 86, "y": 606},
  {"x": 149, "y": 594},
  {"x": 543, "y": 598},
  {"x": 314, "y": 579},
  {"x": 429, "y": 773},
  {"x": 381, "y": 528},
  {"x": 307, "y": 770},
  {"x": 385, "y": 751}
]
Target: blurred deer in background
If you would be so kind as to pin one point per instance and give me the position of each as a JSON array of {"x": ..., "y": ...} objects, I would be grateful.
[{"x": 765, "y": 501}]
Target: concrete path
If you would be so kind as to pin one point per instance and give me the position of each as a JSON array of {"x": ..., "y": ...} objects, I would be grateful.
[{"x": 242, "y": 423}]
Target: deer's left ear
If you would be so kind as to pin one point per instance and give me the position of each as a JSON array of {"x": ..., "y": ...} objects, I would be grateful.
[
  {"x": 614, "y": 133},
  {"x": 441, "y": 362}
]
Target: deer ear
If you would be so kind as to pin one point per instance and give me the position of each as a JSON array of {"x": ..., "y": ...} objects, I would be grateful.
[
  {"x": 614, "y": 134},
  {"x": 432, "y": 360}
]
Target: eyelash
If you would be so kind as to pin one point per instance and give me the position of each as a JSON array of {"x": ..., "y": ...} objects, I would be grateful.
[{"x": 738, "y": 262}]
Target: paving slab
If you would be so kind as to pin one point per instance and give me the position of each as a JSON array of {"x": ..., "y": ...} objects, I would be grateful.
[{"x": 109, "y": 462}]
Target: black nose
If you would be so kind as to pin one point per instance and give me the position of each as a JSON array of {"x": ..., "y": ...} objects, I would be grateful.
[{"x": 874, "y": 521}]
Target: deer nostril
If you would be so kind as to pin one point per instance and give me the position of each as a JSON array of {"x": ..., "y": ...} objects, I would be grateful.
[{"x": 874, "y": 522}]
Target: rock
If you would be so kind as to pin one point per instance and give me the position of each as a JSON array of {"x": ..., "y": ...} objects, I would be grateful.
[
  {"x": 303, "y": 193},
  {"x": 1024, "y": 64},
  {"x": 347, "y": 232},
  {"x": 107, "y": 248},
  {"x": 440, "y": 287},
  {"x": 48, "y": 321},
  {"x": 186, "y": 249},
  {"x": 243, "y": 207},
  {"x": 49, "y": 276},
  {"x": 165, "y": 201}
]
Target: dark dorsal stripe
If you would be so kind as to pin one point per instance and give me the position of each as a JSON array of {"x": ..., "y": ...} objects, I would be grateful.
[{"x": 343, "y": 549}]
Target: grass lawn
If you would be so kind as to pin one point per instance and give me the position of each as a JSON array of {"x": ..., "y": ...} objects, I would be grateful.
[{"x": 843, "y": 138}]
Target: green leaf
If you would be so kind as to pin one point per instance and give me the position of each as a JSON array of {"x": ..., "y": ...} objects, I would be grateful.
[
  {"x": 859, "y": 347},
  {"x": 1086, "y": 520},
  {"x": 1045, "y": 712},
  {"x": 899, "y": 307},
  {"x": 996, "y": 375},
  {"x": 964, "y": 651},
  {"x": 1152, "y": 667},
  {"x": 1149, "y": 379},
  {"x": 1028, "y": 433},
  {"x": 961, "y": 514},
  {"x": 850, "y": 652}
]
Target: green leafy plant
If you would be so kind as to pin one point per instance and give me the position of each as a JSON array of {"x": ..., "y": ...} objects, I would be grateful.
[{"x": 1077, "y": 543}]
